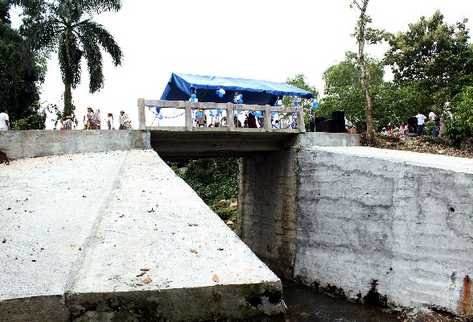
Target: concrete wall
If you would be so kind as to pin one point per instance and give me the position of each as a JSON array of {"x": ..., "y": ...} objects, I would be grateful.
[
  {"x": 327, "y": 139},
  {"x": 267, "y": 205},
  {"x": 397, "y": 223},
  {"x": 380, "y": 226},
  {"x": 267, "y": 200},
  {"x": 28, "y": 144}
]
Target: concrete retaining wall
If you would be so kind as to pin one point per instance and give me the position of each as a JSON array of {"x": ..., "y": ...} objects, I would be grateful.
[
  {"x": 267, "y": 205},
  {"x": 397, "y": 223},
  {"x": 267, "y": 199},
  {"x": 29, "y": 144},
  {"x": 380, "y": 226}
]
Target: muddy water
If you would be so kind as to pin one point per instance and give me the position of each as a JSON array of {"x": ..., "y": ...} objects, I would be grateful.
[{"x": 306, "y": 305}]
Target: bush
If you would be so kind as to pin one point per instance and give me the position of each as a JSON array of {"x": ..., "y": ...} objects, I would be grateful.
[
  {"x": 33, "y": 122},
  {"x": 455, "y": 132},
  {"x": 213, "y": 180},
  {"x": 460, "y": 127}
]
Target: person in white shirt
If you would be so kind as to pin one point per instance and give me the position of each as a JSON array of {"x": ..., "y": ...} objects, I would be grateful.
[
  {"x": 432, "y": 116},
  {"x": 110, "y": 125},
  {"x": 420, "y": 123},
  {"x": 4, "y": 122}
]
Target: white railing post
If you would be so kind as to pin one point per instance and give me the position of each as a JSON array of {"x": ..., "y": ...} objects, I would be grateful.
[
  {"x": 141, "y": 114},
  {"x": 188, "y": 117},
  {"x": 267, "y": 119},
  {"x": 230, "y": 117},
  {"x": 300, "y": 120}
]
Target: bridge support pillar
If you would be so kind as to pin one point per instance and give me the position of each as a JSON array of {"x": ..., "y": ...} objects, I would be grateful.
[{"x": 268, "y": 189}]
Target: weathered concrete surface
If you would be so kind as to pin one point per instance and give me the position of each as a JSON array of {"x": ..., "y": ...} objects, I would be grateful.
[
  {"x": 119, "y": 235},
  {"x": 267, "y": 207},
  {"x": 327, "y": 139},
  {"x": 402, "y": 219},
  {"x": 30, "y": 144},
  {"x": 267, "y": 198}
]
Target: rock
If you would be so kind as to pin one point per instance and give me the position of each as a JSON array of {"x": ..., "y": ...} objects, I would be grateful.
[
  {"x": 230, "y": 223},
  {"x": 222, "y": 203}
]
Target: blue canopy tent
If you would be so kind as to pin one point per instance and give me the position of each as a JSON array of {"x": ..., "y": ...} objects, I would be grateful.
[{"x": 182, "y": 86}]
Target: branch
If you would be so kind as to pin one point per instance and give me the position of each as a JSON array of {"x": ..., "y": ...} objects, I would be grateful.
[{"x": 355, "y": 2}]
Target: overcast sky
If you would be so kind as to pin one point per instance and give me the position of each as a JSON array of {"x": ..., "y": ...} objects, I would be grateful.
[{"x": 261, "y": 39}]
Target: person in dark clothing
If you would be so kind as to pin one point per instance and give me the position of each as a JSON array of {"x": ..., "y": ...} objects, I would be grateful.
[{"x": 252, "y": 121}]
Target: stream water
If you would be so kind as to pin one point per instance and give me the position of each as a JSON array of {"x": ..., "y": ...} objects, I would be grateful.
[{"x": 307, "y": 305}]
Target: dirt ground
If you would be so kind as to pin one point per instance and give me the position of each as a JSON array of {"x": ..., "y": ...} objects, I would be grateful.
[{"x": 424, "y": 144}]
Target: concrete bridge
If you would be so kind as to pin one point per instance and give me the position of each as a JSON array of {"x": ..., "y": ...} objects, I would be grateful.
[
  {"x": 189, "y": 141},
  {"x": 319, "y": 209}
]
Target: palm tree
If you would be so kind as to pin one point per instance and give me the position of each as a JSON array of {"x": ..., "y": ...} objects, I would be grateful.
[{"x": 66, "y": 27}]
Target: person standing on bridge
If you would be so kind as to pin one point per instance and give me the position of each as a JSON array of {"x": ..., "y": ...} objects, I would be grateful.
[
  {"x": 110, "y": 121},
  {"x": 125, "y": 122}
]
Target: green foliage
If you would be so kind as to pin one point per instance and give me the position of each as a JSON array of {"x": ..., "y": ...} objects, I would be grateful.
[
  {"x": 32, "y": 122},
  {"x": 392, "y": 104},
  {"x": 67, "y": 28},
  {"x": 213, "y": 180},
  {"x": 20, "y": 71},
  {"x": 460, "y": 127},
  {"x": 300, "y": 81},
  {"x": 463, "y": 108},
  {"x": 433, "y": 56}
]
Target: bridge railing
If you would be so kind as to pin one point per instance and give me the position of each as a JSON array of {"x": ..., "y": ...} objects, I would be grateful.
[{"x": 231, "y": 110}]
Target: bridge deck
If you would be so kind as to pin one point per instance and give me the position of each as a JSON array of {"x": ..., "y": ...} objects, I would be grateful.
[{"x": 175, "y": 144}]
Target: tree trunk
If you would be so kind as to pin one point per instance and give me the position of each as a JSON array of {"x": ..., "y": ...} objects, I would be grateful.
[
  {"x": 370, "y": 133},
  {"x": 68, "y": 109}
]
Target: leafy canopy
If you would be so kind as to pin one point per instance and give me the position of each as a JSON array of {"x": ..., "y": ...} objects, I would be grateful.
[
  {"x": 434, "y": 56},
  {"x": 392, "y": 104},
  {"x": 66, "y": 27},
  {"x": 299, "y": 81},
  {"x": 20, "y": 71}
]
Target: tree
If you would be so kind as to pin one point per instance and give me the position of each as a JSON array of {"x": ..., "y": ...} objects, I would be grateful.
[
  {"x": 300, "y": 82},
  {"x": 20, "y": 71},
  {"x": 344, "y": 89},
  {"x": 392, "y": 104},
  {"x": 66, "y": 27},
  {"x": 364, "y": 34},
  {"x": 433, "y": 56}
]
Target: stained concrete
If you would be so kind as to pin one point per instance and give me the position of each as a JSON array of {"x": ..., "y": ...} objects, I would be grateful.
[
  {"x": 268, "y": 198},
  {"x": 393, "y": 223},
  {"x": 119, "y": 235},
  {"x": 267, "y": 208}
]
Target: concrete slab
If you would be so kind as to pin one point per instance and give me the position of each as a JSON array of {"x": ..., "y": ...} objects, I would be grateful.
[
  {"x": 122, "y": 237},
  {"x": 443, "y": 162}
]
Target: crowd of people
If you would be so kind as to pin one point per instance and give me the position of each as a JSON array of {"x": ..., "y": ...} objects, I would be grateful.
[
  {"x": 416, "y": 126},
  {"x": 242, "y": 118},
  {"x": 93, "y": 121}
]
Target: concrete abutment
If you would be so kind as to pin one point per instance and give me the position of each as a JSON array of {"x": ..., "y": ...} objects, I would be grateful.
[
  {"x": 372, "y": 224},
  {"x": 317, "y": 208}
]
